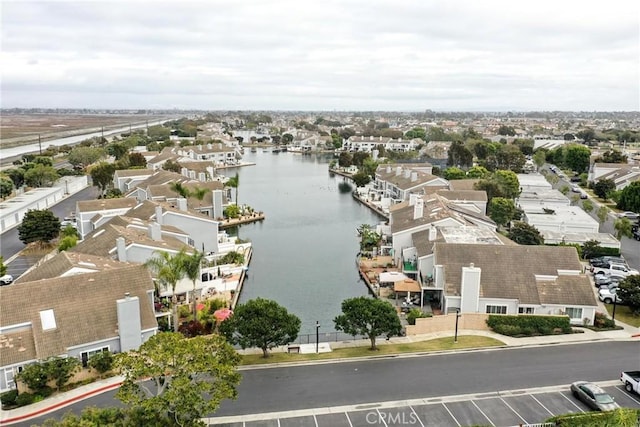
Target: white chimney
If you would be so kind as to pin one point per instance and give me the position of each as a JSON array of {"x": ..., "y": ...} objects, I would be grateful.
[
  {"x": 439, "y": 276},
  {"x": 407, "y": 173},
  {"x": 184, "y": 171},
  {"x": 412, "y": 199},
  {"x": 470, "y": 289},
  {"x": 371, "y": 138},
  {"x": 182, "y": 204},
  {"x": 433, "y": 233},
  {"x": 418, "y": 208},
  {"x": 388, "y": 169},
  {"x": 155, "y": 233},
  {"x": 380, "y": 138},
  {"x": 159, "y": 214},
  {"x": 121, "y": 249},
  {"x": 398, "y": 170},
  {"x": 202, "y": 176},
  {"x": 414, "y": 176},
  {"x": 209, "y": 146}
]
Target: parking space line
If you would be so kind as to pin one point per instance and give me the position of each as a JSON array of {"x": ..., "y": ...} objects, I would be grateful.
[
  {"x": 414, "y": 413},
  {"x": 454, "y": 418},
  {"x": 485, "y": 415},
  {"x": 381, "y": 417},
  {"x": 624, "y": 390},
  {"x": 540, "y": 403},
  {"x": 315, "y": 420},
  {"x": 278, "y": 422},
  {"x": 572, "y": 402},
  {"x": 348, "y": 419},
  {"x": 514, "y": 411}
]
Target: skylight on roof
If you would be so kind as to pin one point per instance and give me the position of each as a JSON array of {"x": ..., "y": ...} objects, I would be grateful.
[
  {"x": 88, "y": 264},
  {"x": 48, "y": 320}
]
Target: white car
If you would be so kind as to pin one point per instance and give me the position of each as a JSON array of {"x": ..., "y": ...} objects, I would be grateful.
[
  {"x": 7, "y": 279},
  {"x": 629, "y": 215},
  {"x": 607, "y": 295}
]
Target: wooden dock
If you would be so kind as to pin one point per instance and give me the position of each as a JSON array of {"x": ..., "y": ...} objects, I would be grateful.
[{"x": 232, "y": 222}]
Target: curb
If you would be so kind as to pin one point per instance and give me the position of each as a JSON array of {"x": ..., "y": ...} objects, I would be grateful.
[{"x": 59, "y": 405}]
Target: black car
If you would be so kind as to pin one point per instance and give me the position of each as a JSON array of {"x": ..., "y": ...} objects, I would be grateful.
[{"x": 603, "y": 261}]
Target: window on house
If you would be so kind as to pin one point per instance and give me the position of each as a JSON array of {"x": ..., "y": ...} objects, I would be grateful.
[
  {"x": 525, "y": 310},
  {"x": 86, "y": 355},
  {"x": 497, "y": 309},
  {"x": 574, "y": 312}
]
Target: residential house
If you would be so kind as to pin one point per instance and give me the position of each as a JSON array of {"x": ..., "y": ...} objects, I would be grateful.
[
  {"x": 472, "y": 200},
  {"x": 74, "y": 316},
  {"x": 533, "y": 182},
  {"x": 567, "y": 219},
  {"x": 125, "y": 179},
  {"x": 369, "y": 143},
  {"x": 620, "y": 173},
  {"x": 91, "y": 214},
  {"x": 397, "y": 183},
  {"x": 513, "y": 279}
]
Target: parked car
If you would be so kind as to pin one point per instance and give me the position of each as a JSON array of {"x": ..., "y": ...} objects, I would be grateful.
[
  {"x": 608, "y": 258},
  {"x": 595, "y": 397},
  {"x": 576, "y": 178},
  {"x": 576, "y": 189},
  {"x": 7, "y": 279},
  {"x": 601, "y": 280},
  {"x": 613, "y": 269},
  {"x": 636, "y": 234},
  {"x": 583, "y": 195},
  {"x": 629, "y": 215},
  {"x": 608, "y": 295}
]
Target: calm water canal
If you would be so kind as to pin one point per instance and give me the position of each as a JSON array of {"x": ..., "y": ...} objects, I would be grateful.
[{"x": 304, "y": 252}]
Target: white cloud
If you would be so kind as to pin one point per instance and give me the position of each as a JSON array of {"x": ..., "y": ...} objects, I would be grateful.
[{"x": 297, "y": 54}]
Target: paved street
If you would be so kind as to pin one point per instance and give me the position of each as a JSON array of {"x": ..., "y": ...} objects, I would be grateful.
[{"x": 11, "y": 245}]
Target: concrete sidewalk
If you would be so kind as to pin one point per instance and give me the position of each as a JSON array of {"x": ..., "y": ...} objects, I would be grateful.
[{"x": 65, "y": 399}]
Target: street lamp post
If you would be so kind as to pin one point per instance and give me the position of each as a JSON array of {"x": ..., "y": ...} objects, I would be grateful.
[
  {"x": 455, "y": 337},
  {"x": 613, "y": 313},
  {"x": 317, "y": 336}
]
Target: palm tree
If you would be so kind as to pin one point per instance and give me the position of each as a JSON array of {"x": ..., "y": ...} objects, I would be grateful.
[
  {"x": 199, "y": 194},
  {"x": 180, "y": 189},
  {"x": 168, "y": 270},
  {"x": 623, "y": 228},
  {"x": 234, "y": 182},
  {"x": 191, "y": 267}
]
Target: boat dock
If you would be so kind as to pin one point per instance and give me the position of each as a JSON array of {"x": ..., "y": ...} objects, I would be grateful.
[{"x": 232, "y": 222}]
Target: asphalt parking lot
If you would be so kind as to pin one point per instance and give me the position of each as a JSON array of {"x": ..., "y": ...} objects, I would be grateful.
[{"x": 504, "y": 409}]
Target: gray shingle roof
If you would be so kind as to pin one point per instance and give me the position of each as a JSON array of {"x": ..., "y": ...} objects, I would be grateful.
[
  {"x": 65, "y": 261},
  {"x": 84, "y": 308},
  {"x": 510, "y": 271},
  {"x": 105, "y": 204}
]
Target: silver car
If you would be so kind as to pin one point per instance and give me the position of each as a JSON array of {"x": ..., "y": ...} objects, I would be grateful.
[{"x": 595, "y": 397}]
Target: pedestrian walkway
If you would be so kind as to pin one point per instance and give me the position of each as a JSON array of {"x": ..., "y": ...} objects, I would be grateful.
[{"x": 62, "y": 400}]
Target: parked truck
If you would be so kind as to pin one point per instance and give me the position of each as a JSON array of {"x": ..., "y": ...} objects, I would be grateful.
[
  {"x": 612, "y": 269},
  {"x": 631, "y": 380}
]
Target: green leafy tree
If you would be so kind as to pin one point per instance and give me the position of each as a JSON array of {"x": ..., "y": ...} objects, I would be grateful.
[
  {"x": 459, "y": 155},
  {"x": 35, "y": 376},
  {"x": 630, "y": 197},
  {"x": 188, "y": 378},
  {"x": 6, "y": 187},
  {"x": 231, "y": 211},
  {"x": 623, "y": 228},
  {"x": 171, "y": 166},
  {"x": 452, "y": 173},
  {"x": 16, "y": 175},
  {"x": 137, "y": 160},
  {"x": 158, "y": 133},
  {"x": 370, "y": 317},
  {"x": 539, "y": 158},
  {"x": 261, "y": 323},
  {"x": 489, "y": 186},
  {"x": 39, "y": 226},
  {"x": 577, "y": 157},
  {"x": 43, "y": 160},
  {"x": 361, "y": 179},
  {"x": 502, "y": 210},
  {"x": 603, "y": 188},
  {"x": 369, "y": 167},
  {"x": 61, "y": 369},
  {"x": 587, "y": 205},
  {"x": 629, "y": 292},
  {"x": 369, "y": 239},
  {"x": 3, "y": 268},
  {"x": 612, "y": 156},
  {"x": 117, "y": 150},
  {"x": 591, "y": 249},
  {"x": 506, "y": 130},
  {"x": 602, "y": 213},
  {"x": 102, "y": 176},
  {"x": 84, "y": 156},
  {"x": 102, "y": 361},
  {"x": 525, "y": 234},
  {"x": 478, "y": 172},
  {"x": 587, "y": 135},
  {"x": 67, "y": 242},
  {"x": 509, "y": 183},
  {"x": 359, "y": 157},
  {"x": 232, "y": 257},
  {"x": 345, "y": 159},
  {"x": 41, "y": 176}
]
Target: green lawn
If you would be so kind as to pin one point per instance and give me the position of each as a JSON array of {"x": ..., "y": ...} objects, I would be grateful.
[
  {"x": 623, "y": 314},
  {"x": 438, "y": 344}
]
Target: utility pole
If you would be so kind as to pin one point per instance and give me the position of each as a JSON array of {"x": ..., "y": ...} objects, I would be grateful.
[
  {"x": 455, "y": 337},
  {"x": 39, "y": 143},
  {"x": 317, "y": 336}
]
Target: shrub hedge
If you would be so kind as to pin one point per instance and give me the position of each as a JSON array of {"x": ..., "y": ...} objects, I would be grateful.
[
  {"x": 528, "y": 325},
  {"x": 623, "y": 417}
]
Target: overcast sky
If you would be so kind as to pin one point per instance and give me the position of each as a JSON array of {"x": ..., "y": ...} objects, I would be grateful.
[{"x": 407, "y": 55}]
